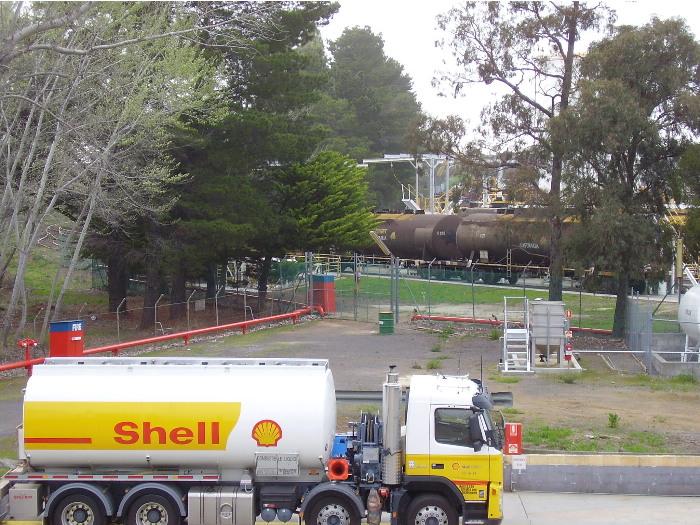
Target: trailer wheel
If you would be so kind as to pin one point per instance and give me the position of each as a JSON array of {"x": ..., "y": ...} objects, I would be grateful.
[
  {"x": 78, "y": 509},
  {"x": 331, "y": 511},
  {"x": 431, "y": 509},
  {"x": 152, "y": 509}
]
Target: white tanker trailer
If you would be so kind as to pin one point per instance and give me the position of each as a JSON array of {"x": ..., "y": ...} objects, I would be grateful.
[{"x": 222, "y": 441}]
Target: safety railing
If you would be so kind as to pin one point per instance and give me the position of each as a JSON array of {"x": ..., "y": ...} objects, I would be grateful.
[{"x": 115, "y": 348}]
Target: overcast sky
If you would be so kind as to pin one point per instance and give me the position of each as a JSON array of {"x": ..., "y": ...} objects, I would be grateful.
[{"x": 409, "y": 31}]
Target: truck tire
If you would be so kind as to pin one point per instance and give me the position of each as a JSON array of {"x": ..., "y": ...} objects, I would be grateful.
[
  {"x": 431, "y": 509},
  {"x": 152, "y": 509},
  {"x": 78, "y": 509},
  {"x": 331, "y": 511}
]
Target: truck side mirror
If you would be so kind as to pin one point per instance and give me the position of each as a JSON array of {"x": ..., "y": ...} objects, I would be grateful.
[
  {"x": 475, "y": 435},
  {"x": 482, "y": 401}
]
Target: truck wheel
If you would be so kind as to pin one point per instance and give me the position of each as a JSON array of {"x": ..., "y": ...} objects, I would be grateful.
[
  {"x": 431, "y": 510},
  {"x": 78, "y": 509},
  {"x": 331, "y": 511},
  {"x": 152, "y": 510}
]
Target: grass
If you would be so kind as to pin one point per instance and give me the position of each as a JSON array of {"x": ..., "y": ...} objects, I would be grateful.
[
  {"x": 446, "y": 333},
  {"x": 589, "y": 310},
  {"x": 45, "y": 262},
  {"x": 680, "y": 383},
  {"x": 12, "y": 387},
  {"x": 568, "y": 378},
  {"x": 576, "y": 440},
  {"x": 504, "y": 379},
  {"x": 436, "y": 363}
]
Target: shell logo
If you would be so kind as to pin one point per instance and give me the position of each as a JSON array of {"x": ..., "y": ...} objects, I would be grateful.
[{"x": 266, "y": 433}]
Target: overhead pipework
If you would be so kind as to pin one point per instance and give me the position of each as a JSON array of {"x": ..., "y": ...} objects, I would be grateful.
[{"x": 436, "y": 165}]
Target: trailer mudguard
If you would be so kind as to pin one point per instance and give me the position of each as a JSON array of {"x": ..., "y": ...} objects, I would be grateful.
[
  {"x": 152, "y": 488},
  {"x": 95, "y": 491}
]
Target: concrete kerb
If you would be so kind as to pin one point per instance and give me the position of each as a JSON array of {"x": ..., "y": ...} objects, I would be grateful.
[
  {"x": 543, "y": 368},
  {"x": 631, "y": 474}
]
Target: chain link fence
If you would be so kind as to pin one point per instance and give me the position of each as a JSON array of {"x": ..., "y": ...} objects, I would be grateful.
[{"x": 658, "y": 337}]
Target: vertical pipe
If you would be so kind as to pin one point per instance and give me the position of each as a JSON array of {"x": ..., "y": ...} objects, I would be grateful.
[
  {"x": 679, "y": 266},
  {"x": 473, "y": 304},
  {"x": 396, "y": 290},
  {"x": 391, "y": 419}
]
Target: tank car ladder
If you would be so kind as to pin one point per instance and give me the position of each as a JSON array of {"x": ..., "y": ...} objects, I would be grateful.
[{"x": 516, "y": 335}]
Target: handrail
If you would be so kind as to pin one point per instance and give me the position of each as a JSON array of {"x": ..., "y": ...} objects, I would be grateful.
[
  {"x": 185, "y": 336},
  {"x": 419, "y": 317}
]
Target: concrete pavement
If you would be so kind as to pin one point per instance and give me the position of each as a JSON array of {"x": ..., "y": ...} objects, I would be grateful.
[{"x": 542, "y": 508}]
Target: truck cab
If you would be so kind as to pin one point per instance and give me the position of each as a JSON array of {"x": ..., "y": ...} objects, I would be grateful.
[{"x": 452, "y": 450}]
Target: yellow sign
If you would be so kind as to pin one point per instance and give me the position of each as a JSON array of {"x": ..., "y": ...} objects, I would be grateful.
[{"x": 69, "y": 425}]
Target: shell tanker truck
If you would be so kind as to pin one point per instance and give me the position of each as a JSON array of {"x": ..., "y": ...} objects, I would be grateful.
[{"x": 232, "y": 441}]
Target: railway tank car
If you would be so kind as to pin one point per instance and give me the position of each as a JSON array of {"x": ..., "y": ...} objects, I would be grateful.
[{"x": 489, "y": 244}]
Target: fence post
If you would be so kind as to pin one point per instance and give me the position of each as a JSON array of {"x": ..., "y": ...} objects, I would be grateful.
[
  {"x": 155, "y": 313},
  {"x": 119, "y": 308},
  {"x": 216, "y": 304},
  {"x": 188, "y": 309},
  {"x": 648, "y": 340}
]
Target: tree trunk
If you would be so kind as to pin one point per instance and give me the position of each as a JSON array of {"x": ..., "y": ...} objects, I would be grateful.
[
  {"x": 224, "y": 274},
  {"x": 178, "y": 294},
  {"x": 556, "y": 269},
  {"x": 620, "y": 316},
  {"x": 210, "y": 278},
  {"x": 150, "y": 296},
  {"x": 263, "y": 277},
  {"x": 116, "y": 282},
  {"x": 556, "y": 262}
]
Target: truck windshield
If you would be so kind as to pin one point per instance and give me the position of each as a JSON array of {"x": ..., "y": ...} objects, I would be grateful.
[{"x": 452, "y": 426}]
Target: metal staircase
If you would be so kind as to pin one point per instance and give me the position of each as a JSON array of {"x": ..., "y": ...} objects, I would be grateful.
[
  {"x": 517, "y": 355},
  {"x": 409, "y": 196}
]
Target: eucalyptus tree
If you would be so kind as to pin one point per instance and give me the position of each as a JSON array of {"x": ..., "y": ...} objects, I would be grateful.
[
  {"x": 528, "y": 52},
  {"x": 86, "y": 93},
  {"x": 629, "y": 126}
]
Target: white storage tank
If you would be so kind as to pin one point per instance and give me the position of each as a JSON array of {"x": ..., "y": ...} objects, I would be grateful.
[
  {"x": 548, "y": 326},
  {"x": 689, "y": 312},
  {"x": 274, "y": 417}
]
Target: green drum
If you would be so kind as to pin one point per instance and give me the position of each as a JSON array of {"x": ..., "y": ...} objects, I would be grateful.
[{"x": 386, "y": 322}]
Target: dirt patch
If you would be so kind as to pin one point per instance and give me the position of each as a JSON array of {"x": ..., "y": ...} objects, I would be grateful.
[{"x": 360, "y": 356}]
